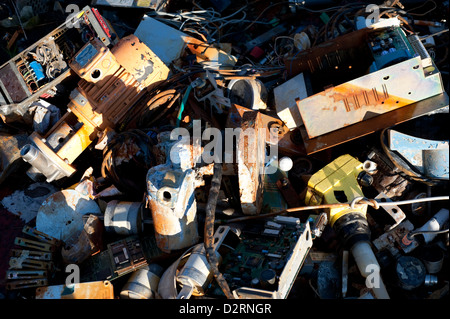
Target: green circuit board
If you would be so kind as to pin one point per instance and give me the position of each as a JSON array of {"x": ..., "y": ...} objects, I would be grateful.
[{"x": 263, "y": 246}]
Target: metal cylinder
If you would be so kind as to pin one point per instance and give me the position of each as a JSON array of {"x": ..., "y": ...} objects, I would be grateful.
[
  {"x": 124, "y": 218},
  {"x": 34, "y": 156},
  {"x": 370, "y": 167},
  {"x": 433, "y": 259},
  {"x": 197, "y": 271},
  {"x": 143, "y": 283},
  {"x": 411, "y": 272}
]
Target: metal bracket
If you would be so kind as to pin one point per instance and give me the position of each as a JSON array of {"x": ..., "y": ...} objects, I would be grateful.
[
  {"x": 34, "y": 244},
  {"x": 393, "y": 210}
]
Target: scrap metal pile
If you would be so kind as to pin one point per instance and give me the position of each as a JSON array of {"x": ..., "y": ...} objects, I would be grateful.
[{"x": 224, "y": 149}]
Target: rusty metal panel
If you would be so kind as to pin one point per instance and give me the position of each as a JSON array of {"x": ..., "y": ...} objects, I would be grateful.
[
  {"x": 85, "y": 290},
  {"x": 408, "y": 112},
  {"x": 28, "y": 283},
  {"x": 368, "y": 96},
  {"x": 15, "y": 86}
]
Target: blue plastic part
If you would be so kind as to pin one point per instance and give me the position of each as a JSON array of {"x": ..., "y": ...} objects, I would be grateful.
[{"x": 38, "y": 70}]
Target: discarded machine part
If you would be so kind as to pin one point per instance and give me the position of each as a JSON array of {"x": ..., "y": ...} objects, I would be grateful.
[
  {"x": 32, "y": 266},
  {"x": 250, "y": 158},
  {"x": 28, "y": 283},
  {"x": 126, "y": 160},
  {"x": 438, "y": 103},
  {"x": 26, "y": 274},
  {"x": 10, "y": 146},
  {"x": 60, "y": 215},
  {"x": 26, "y": 203},
  {"x": 124, "y": 218},
  {"x": 23, "y": 259},
  {"x": 278, "y": 135},
  {"x": 143, "y": 283},
  {"x": 318, "y": 224},
  {"x": 120, "y": 258},
  {"x": 89, "y": 242},
  {"x": 33, "y": 244},
  {"x": 420, "y": 158},
  {"x": 30, "y": 254},
  {"x": 337, "y": 183},
  {"x": 84, "y": 290},
  {"x": 280, "y": 245},
  {"x": 171, "y": 195},
  {"x": 20, "y": 263},
  {"x": 285, "y": 163},
  {"x": 370, "y": 167},
  {"x": 111, "y": 83},
  {"x": 353, "y": 102},
  {"x": 410, "y": 272},
  {"x": 45, "y": 115},
  {"x": 172, "y": 203},
  {"x": 387, "y": 179},
  {"x": 250, "y": 93},
  {"x": 366, "y": 95},
  {"x": 394, "y": 211},
  {"x": 43, "y": 65},
  {"x": 196, "y": 274},
  {"x": 393, "y": 238}
]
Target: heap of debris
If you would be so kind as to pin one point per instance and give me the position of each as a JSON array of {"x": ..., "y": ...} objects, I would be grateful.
[{"x": 215, "y": 149}]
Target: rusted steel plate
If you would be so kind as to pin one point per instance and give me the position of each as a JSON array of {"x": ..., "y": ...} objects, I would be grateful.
[
  {"x": 374, "y": 124},
  {"x": 368, "y": 96},
  {"x": 85, "y": 290}
]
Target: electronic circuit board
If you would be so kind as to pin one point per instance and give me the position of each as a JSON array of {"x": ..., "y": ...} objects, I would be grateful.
[
  {"x": 389, "y": 47},
  {"x": 267, "y": 259},
  {"x": 120, "y": 258}
]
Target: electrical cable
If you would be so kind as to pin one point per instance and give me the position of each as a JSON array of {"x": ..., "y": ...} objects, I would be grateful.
[
  {"x": 425, "y": 13},
  {"x": 421, "y": 232},
  {"x": 355, "y": 201}
]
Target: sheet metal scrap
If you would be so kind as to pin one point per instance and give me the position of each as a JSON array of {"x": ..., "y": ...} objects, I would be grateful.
[{"x": 33, "y": 266}]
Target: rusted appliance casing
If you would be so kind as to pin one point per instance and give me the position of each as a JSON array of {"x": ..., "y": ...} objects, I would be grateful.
[
  {"x": 111, "y": 82},
  {"x": 375, "y": 97}
]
